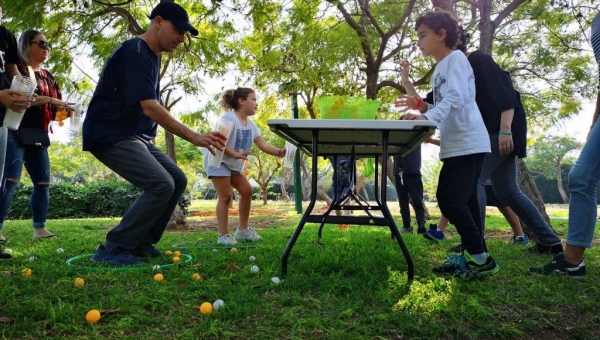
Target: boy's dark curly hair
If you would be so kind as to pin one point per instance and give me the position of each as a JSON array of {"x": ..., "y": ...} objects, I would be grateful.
[{"x": 438, "y": 20}]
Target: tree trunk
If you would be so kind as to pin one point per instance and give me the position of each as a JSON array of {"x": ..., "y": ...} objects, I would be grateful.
[
  {"x": 371, "y": 83},
  {"x": 446, "y": 5},
  {"x": 170, "y": 144},
  {"x": 486, "y": 27},
  {"x": 232, "y": 199},
  {"x": 559, "y": 183},
  {"x": 264, "y": 194},
  {"x": 527, "y": 185},
  {"x": 284, "y": 180}
]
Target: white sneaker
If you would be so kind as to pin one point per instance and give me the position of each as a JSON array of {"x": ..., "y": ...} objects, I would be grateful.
[
  {"x": 247, "y": 234},
  {"x": 226, "y": 239}
]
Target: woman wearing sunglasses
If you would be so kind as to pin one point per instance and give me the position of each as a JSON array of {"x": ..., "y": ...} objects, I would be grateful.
[{"x": 29, "y": 144}]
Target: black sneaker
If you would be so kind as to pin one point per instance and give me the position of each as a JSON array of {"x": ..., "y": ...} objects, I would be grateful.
[
  {"x": 114, "y": 258},
  {"x": 475, "y": 270},
  {"x": 4, "y": 255},
  {"x": 146, "y": 250},
  {"x": 456, "y": 249},
  {"x": 540, "y": 249},
  {"x": 560, "y": 266},
  {"x": 421, "y": 230},
  {"x": 406, "y": 230}
]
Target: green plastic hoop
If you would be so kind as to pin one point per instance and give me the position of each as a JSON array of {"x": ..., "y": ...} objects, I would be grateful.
[
  {"x": 205, "y": 245},
  {"x": 71, "y": 263}
]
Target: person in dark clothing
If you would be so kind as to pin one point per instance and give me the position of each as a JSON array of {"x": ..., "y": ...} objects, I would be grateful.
[
  {"x": 9, "y": 58},
  {"x": 407, "y": 173},
  {"x": 504, "y": 118},
  {"x": 342, "y": 181},
  {"x": 120, "y": 127}
]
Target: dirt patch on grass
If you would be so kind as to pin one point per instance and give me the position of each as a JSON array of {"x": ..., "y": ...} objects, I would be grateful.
[
  {"x": 207, "y": 220},
  {"x": 235, "y": 212}
]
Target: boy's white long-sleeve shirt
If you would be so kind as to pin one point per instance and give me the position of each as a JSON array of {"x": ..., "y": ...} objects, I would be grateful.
[{"x": 462, "y": 131}]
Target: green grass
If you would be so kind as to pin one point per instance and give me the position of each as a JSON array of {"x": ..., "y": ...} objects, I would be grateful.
[{"x": 352, "y": 287}]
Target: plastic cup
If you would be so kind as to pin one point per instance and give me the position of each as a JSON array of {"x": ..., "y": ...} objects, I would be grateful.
[
  {"x": 26, "y": 87},
  {"x": 76, "y": 116},
  {"x": 224, "y": 127},
  {"x": 290, "y": 154}
]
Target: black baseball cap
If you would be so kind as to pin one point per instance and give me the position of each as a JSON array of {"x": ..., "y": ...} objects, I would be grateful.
[{"x": 175, "y": 14}]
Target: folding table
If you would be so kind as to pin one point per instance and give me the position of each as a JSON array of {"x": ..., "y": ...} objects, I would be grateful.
[{"x": 357, "y": 139}]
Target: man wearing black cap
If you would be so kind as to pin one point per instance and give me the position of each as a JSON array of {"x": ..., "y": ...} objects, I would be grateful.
[{"x": 120, "y": 127}]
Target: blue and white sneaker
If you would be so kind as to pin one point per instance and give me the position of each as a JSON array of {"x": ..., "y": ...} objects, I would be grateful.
[
  {"x": 519, "y": 240},
  {"x": 454, "y": 265},
  {"x": 434, "y": 234}
]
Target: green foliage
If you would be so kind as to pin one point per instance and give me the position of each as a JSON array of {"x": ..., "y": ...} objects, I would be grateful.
[
  {"x": 431, "y": 172},
  {"x": 550, "y": 152},
  {"x": 94, "y": 199},
  {"x": 427, "y": 296}
]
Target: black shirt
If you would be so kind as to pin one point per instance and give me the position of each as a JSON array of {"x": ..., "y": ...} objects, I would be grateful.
[
  {"x": 410, "y": 164},
  {"x": 8, "y": 54},
  {"x": 494, "y": 93}
]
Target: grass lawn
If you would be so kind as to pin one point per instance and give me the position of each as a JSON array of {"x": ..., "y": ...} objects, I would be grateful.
[{"x": 353, "y": 286}]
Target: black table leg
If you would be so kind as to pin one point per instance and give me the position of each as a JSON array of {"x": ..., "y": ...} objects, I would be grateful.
[
  {"x": 311, "y": 205},
  {"x": 386, "y": 211}
]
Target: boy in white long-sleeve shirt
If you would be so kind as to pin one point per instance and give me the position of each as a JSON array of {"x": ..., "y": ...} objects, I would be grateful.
[{"x": 465, "y": 140}]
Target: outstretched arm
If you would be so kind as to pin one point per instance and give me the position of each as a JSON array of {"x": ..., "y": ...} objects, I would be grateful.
[
  {"x": 160, "y": 115},
  {"x": 412, "y": 98},
  {"x": 268, "y": 148}
]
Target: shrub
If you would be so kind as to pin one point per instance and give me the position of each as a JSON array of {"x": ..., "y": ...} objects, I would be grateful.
[{"x": 94, "y": 199}]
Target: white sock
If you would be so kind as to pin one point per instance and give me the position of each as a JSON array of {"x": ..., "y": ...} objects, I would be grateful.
[{"x": 480, "y": 258}]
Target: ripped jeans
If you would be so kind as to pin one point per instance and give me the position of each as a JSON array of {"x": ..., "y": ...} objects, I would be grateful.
[{"x": 37, "y": 164}]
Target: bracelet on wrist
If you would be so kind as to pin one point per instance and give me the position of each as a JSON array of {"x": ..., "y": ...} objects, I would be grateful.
[
  {"x": 418, "y": 105},
  {"x": 505, "y": 133}
]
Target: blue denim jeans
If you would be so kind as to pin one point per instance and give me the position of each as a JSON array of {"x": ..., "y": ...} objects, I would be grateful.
[
  {"x": 502, "y": 170},
  {"x": 583, "y": 180},
  {"x": 37, "y": 164},
  {"x": 162, "y": 183}
]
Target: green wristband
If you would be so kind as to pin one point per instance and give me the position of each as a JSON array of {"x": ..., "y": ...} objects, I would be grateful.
[{"x": 505, "y": 133}]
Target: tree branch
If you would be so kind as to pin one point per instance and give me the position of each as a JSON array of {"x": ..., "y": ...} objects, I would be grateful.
[
  {"x": 133, "y": 27},
  {"x": 507, "y": 11}
]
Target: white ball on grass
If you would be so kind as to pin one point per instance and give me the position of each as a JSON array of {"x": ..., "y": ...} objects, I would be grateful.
[
  {"x": 275, "y": 280},
  {"x": 254, "y": 269},
  {"x": 218, "y": 304}
]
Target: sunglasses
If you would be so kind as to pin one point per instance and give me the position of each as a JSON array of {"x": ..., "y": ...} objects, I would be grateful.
[{"x": 43, "y": 44}]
